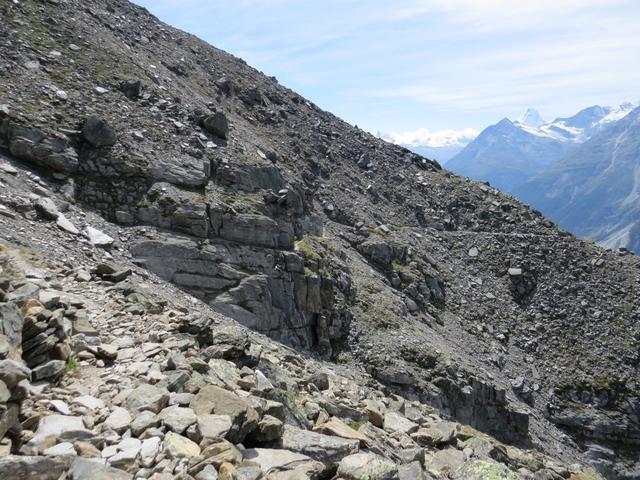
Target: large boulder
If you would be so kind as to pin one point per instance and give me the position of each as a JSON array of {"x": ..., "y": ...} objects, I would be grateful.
[
  {"x": 148, "y": 397},
  {"x": 213, "y": 399},
  {"x": 35, "y": 147},
  {"x": 323, "y": 448},
  {"x": 84, "y": 469},
  {"x": 367, "y": 466},
  {"x": 217, "y": 124},
  {"x": 19, "y": 467},
  {"x": 98, "y": 132},
  {"x": 482, "y": 470}
]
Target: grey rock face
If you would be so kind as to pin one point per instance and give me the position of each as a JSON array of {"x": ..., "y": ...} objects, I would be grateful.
[{"x": 35, "y": 147}]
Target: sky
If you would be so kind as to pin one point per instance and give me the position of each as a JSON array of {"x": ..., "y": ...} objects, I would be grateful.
[{"x": 430, "y": 69}]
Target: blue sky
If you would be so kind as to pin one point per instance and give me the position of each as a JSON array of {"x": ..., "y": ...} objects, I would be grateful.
[{"x": 441, "y": 66}]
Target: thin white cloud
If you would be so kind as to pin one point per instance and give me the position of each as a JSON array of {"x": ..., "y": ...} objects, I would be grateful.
[{"x": 423, "y": 137}]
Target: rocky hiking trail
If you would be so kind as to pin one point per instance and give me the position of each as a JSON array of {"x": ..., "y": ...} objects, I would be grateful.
[
  {"x": 173, "y": 220},
  {"x": 145, "y": 381}
]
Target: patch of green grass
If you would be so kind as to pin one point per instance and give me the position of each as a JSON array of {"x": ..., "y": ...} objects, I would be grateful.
[
  {"x": 72, "y": 365},
  {"x": 356, "y": 424},
  {"x": 308, "y": 250},
  {"x": 343, "y": 358}
]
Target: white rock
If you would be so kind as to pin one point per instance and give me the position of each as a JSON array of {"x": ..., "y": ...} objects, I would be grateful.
[
  {"x": 56, "y": 425},
  {"x": 268, "y": 458},
  {"x": 110, "y": 451},
  {"x": 101, "y": 91},
  {"x": 98, "y": 238},
  {"x": 262, "y": 382},
  {"x": 60, "y": 406},
  {"x": 64, "y": 448},
  {"x": 149, "y": 450},
  {"x": 87, "y": 401},
  {"x": 119, "y": 420},
  {"x": 65, "y": 224}
]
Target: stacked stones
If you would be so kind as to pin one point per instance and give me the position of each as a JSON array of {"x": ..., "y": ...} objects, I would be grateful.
[
  {"x": 45, "y": 336},
  {"x": 14, "y": 374}
]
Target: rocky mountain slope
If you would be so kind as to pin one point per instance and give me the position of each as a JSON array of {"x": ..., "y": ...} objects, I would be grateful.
[{"x": 127, "y": 141}]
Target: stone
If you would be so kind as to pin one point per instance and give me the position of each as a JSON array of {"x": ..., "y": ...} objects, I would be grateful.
[
  {"x": 49, "y": 370},
  {"x": 207, "y": 473},
  {"x": 89, "y": 402},
  {"x": 177, "y": 419},
  {"x": 394, "y": 422},
  {"x": 366, "y": 466},
  {"x": 148, "y": 451},
  {"x": 5, "y": 394},
  {"x": 127, "y": 453},
  {"x": 269, "y": 429},
  {"x": 98, "y": 133},
  {"x": 411, "y": 471},
  {"x": 338, "y": 428},
  {"x": 442, "y": 461},
  {"x": 213, "y": 399},
  {"x": 148, "y": 397},
  {"x": 217, "y": 124},
  {"x": 482, "y": 470},
  {"x": 65, "y": 224},
  {"x": 12, "y": 372},
  {"x": 213, "y": 427},
  {"x": 84, "y": 469},
  {"x": 514, "y": 272},
  {"x": 436, "y": 434},
  {"x": 262, "y": 383},
  {"x": 249, "y": 472},
  {"x": 131, "y": 89},
  {"x": 64, "y": 448},
  {"x": 144, "y": 420},
  {"x": 216, "y": 454},
  {"x": 227, "y": 472},
  {"x": 268, "y": 458},
  {"x": 473, "y": 252},
  {"x": 176, "y": 446},
  {"x": 25, "y": 292},
  {"x": 107, "y": 351},
  {"x": 323, "y": 448},
  {"x": 86, "y": 449},
  {"x": 47, "y": 209},
  {"x": 49, "y": 298},
  {"x": 98, "y": 238},
  {"x": 375, "y": 417},
  {"x": 320, "y": 380},
  {"x": 56, "y": 425},
  {"x": 119, "y": 420},
  {"x": 83, "y": 276},
  {"x": 24, "y": 467},
  {"x": 60, "y": 407}
]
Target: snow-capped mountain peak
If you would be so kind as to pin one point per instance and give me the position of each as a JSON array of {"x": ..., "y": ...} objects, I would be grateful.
[
  {"x": 577, "y": 128},
  {"x": 531, "y": 118}
]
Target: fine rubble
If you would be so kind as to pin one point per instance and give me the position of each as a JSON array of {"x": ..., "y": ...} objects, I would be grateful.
[{"x": 205, "y": 275}]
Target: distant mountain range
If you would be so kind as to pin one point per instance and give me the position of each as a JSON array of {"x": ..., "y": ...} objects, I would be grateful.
[
  {"x": 582, "y": 171},
  {"x": 439, "y": 145}
]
